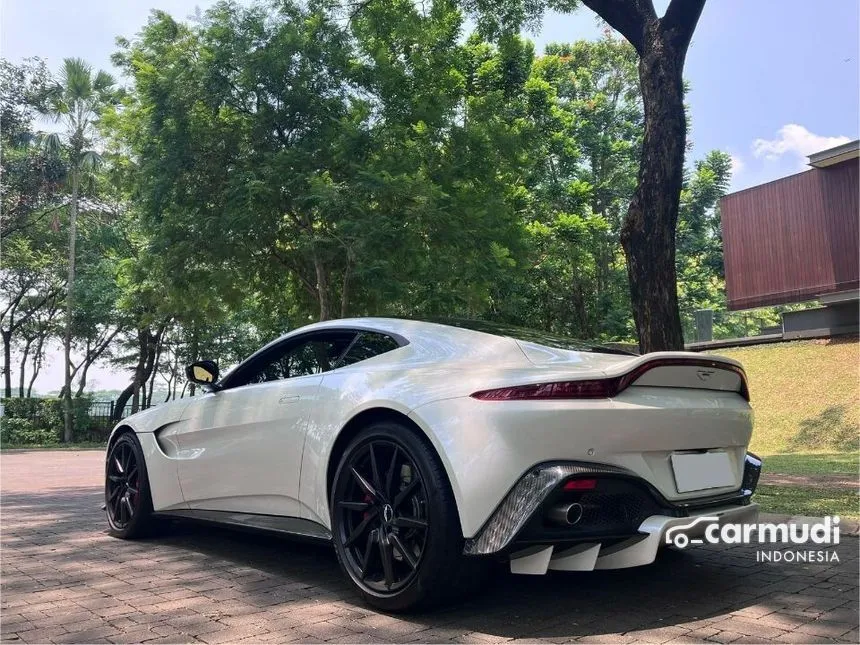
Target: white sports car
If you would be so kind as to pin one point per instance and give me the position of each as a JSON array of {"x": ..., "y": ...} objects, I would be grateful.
[{"x": 422, "y": 450}]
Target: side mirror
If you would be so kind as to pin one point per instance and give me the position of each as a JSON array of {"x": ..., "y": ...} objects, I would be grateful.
[{"x": 202, "y": 372}]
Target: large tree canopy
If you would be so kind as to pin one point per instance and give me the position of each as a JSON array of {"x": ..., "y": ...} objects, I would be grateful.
[
  {"x": 648, "y": 232},
  {"x": 276, "y": 163}
]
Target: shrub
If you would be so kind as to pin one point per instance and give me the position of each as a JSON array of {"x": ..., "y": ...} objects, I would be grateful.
[
  {"x": 21, "y": 408},
  {"x": 48, "y": 414},
  {"x": 16, "y": 432}
]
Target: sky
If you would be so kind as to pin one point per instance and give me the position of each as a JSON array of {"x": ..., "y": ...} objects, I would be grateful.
[{"x": 771, "y": 81}]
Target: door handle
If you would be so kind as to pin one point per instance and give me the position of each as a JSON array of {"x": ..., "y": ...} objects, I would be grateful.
[{"x": 289, "y": 398}]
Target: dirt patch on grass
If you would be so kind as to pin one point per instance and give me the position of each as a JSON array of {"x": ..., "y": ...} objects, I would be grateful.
[{"x": 828, "y": 481}]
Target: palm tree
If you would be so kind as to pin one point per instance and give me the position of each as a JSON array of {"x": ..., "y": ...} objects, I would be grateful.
[{"x": 75, "y": 102}]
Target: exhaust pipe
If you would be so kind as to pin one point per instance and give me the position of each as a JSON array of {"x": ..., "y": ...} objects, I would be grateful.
[{"x": 566, "y": 514}]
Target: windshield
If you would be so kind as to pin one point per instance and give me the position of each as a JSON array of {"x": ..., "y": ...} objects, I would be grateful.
[{"x": 557, "y": 341}]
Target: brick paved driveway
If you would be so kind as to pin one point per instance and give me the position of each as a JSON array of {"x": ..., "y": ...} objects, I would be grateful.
[{"x": 65, "y": 580}]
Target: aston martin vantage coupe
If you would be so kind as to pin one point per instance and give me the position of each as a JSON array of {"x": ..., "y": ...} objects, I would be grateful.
[{"x": 422, "y": 451}]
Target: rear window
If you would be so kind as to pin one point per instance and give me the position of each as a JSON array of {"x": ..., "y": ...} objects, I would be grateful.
[
  {"x": 367, "y": 345},
  {"x": 557, "y": 341}
]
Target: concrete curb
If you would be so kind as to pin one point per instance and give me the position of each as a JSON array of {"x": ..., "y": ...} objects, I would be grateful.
[{"x": 846, "y": 526}]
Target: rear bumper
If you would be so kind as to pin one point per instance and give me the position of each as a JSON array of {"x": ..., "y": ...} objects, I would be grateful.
[
  {"x": 635, "y": 551},
  {"x": 624, "y": 510}
]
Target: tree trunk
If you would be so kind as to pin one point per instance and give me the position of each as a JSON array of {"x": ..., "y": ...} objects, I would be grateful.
[
  {"x": 322, "y": 290},
  {"x": 174, "y": 376},
  {"x": 37, "y": 365},
  {"x": 139, "y": 380},
  {"x": 7, "y": 362},
  {"x": 195, "y": 355},
  {"x": 344, "y": 294},
  {"x": 347, "y": 274},
  {"x": 171, "y": 384},
  {"x": 22, "y": 373},
  {"x": 152, "y": 351},
  {"x": 70, "y": 292},
  {"x": 132, "y": 388},
  {"x": 155, "y": 362},
  {"x": 85, "y": 366},
  {"x": 143, "y": 370},
  {"x": 91, "y": 356},
  {"x": 648, "y": 232},
  {"x": 82, "y": 384}
]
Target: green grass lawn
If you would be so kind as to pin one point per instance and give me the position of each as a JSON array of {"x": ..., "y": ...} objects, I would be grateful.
[
  {"x": 807, "y": 420},
  {"x": 814, "y": 501},
  {"x": 821, "y": 463},
  {"x": 805, "y": 395}
]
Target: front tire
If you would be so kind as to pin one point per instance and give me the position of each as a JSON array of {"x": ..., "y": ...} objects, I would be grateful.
[
  {"x": 394, "y": 521},
  {"x": 128, "y": 502}
]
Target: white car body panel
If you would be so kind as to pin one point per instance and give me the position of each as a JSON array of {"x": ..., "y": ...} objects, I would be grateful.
[
  {"x": 241, "y": 449},
  {"x": 265, "y": 448},
  {"x": 638, "y": 431},
  {"x": 163, "y": 475}
]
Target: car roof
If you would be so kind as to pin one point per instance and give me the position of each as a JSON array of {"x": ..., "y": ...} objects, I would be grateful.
[{"x": 460, "y": 331}]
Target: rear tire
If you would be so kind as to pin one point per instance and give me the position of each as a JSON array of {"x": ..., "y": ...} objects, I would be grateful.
[
  {"x": 128, "y": 502},
  {"x": 394, "y": 522}
]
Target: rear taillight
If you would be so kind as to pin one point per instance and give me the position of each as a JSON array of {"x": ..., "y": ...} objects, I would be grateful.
[
  {"x": 596, "y": 389},
  {"x": 601, "y": 388}
]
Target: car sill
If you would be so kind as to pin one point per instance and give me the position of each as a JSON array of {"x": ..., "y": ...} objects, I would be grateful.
[{"x": 292, "y": 526}]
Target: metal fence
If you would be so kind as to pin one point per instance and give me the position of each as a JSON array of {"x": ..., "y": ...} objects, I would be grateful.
[
  {"x": 102, "y": 414},
  {"x": 706, "y": 325}
]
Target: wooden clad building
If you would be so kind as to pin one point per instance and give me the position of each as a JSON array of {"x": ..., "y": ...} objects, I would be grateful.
[{"x": 796, "y": 238}]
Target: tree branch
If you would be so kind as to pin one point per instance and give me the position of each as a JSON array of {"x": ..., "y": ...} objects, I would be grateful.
[
  {"x": 357, "y": 7},
  {"x": 294, "y": 267},
  {"x": 628, "y": 17},
  {"x": 13, "y": 305},
  {"x": 26, "y": 220},
  {"x": 679, "y": 22}
]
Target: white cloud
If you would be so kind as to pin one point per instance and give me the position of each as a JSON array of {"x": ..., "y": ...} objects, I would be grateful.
[
  {"x": 737, "y": 165},
  {"x": 795, "y": 140}
]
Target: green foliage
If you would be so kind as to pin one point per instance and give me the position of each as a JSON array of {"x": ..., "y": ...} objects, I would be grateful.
[
  {"x": 18, "y": 432},
  {"x": 30, "y": 176},
  {"x": 499, "y": 17},
  {"x": 404, "y": 172},
  {"x": 585, "y": 105},
  {"x": 21, "y": 408},
  {"x": 40, "y": 421},
  {"x": 272, "y": 164},
  {"x": 75, "y": 99},
  {"x": 380, "y": 181}
]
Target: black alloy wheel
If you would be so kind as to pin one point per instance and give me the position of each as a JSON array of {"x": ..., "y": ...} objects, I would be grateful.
[
  {"x": 383, "y": 511},
  {"x": 394, "y": 521},
  {"x": 128, "y": 503},
  {"x": 123, "y": 486}
]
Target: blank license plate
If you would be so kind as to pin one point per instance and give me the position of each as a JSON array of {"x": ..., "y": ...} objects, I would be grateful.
[{"x": 702, "y": 471}]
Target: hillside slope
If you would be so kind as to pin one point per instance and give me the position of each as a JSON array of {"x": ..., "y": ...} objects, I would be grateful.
[{"x": 805, "y": 394}]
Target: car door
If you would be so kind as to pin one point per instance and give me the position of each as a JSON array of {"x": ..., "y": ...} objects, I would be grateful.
[{"x": 240, "y": 448}]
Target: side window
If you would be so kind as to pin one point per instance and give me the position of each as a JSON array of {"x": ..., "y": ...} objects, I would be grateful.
[
  {"x": 314, "y": 356},
  {"x": 367, "y": 345}
]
